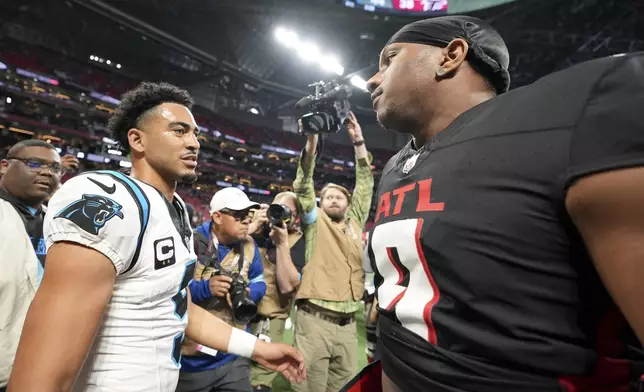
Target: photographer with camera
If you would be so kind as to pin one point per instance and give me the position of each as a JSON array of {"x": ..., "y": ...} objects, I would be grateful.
[
  {"x": 229, "y": 283},
  {"x": 282, "y": 250},
  {"x": 333, "y": 278}
]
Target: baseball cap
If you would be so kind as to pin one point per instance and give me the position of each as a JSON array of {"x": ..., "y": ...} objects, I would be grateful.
[
  {"x": 232, "y": 199},
  {"x": 487, "y": 53}
]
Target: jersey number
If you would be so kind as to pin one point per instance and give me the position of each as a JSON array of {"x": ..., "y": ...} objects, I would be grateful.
[
  {"x": 180, "y": 301},
  {"x": 408, "y": 287}
]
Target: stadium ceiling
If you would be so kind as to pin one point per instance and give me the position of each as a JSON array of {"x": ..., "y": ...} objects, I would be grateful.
[{"x": 193, "y": 42}]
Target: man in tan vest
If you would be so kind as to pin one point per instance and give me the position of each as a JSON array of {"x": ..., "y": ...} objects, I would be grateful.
[
  {"x": 283, "y": 258},
  {"x": 228, "y": 250},
  {"x": 333, "y": 279}
]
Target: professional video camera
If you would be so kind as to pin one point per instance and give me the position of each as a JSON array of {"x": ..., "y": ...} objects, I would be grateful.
[
  {"x": 328, "y": 108},
  {"x": 244, "y": 309}
]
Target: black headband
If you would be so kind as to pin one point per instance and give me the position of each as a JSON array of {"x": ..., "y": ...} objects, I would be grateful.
[{"x": 487, "y": 54}]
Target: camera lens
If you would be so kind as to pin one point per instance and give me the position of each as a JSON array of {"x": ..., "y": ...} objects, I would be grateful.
[
  {"x": 244, "y": 309},
  {"x": 278, "y": 214}
]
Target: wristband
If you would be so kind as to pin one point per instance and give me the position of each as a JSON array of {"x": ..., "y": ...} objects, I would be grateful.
[
  {"x": 358, "y": 143},
  {"x": 241, "y": 343}
]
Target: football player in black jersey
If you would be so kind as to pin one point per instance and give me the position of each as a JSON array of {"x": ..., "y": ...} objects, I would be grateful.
[{"x": 509, "y": 234}]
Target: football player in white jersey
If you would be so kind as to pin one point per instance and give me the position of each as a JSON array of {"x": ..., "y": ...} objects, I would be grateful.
[{"x": 113, "y": 308}]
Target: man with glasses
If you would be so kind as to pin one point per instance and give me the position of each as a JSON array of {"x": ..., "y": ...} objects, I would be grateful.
[
  {"x": 229, "y": 250},
  {"x": 30, "y": 174}
]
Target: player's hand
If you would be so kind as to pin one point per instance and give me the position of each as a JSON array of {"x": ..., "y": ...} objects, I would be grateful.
[
  {"x": 354, "y": 129},
  {"x": 220, "y": 285},
  {"x": 70, "y": 163},
  {"x": 279, "y": 235},
  {"x": 259, "y": 219},
  {"x": 282, "y": 358}
]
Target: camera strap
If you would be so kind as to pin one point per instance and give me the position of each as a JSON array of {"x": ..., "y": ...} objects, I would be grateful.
[
  {"x": 240, "y": 260},
  {"x": 214, "y": 253}
]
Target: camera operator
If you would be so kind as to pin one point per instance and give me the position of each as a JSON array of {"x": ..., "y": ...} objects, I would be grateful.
[
  {"x": 282, "y": 252},
  {"x": 333, "y": 279},
  {"x": 228, "y": 282}
]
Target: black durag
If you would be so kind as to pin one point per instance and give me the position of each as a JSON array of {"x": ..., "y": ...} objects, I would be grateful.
[{"x": 487, "y": 53}]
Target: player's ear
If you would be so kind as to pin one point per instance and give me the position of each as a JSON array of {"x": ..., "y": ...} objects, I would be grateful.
[
  {"x": 216, "y": 218},
  {"x": 453, "y": 55},
  {"x": 4, "y": 164},
  {"x": 135, "y": 139}
]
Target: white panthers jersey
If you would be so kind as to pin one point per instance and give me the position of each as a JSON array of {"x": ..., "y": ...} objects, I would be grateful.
[{"x": 137, "y": 347}]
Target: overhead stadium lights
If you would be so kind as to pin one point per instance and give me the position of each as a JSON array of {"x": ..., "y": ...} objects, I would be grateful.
[
  {"x": 358, "y": 82},
  {"x": 94, "y": 57},
  {"x": 287, "y": 37},
  {"x": 308, "y": 51},
  {"x": 332, "y": 64}
]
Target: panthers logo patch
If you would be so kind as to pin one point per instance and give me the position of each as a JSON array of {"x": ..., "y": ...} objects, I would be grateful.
[{"x": 91, "y": 212}]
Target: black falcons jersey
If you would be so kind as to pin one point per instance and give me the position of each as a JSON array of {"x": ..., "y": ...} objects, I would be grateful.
[{"x": 484, "y": 283}]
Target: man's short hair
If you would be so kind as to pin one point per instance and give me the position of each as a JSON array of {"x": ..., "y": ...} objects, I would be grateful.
[
  {"x": 331, "y": 185},
  {"x": 18, "y": 147},
  {"x": 136, "y": 103}
]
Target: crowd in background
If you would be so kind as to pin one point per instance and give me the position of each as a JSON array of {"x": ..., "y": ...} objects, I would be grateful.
[{"x": 68, "y": 103}]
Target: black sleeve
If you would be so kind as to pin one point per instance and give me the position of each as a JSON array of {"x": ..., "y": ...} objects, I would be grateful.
[
  {"x": 204, "y": 255},
  {"x": 298, "y": 254},
  {"x": 610, "y": 133}
]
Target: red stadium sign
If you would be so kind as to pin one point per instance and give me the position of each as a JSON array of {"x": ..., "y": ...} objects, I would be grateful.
[{"x": 420, "y": 5}]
